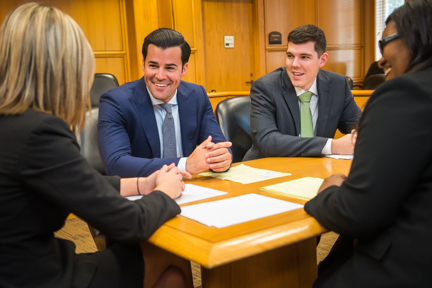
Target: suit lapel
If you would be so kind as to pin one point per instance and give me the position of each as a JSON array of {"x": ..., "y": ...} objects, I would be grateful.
[
  {"x": 324, "y": 102},
  {"x": 187, "y": 111},
  {"x": 290, "y": 97},
  {"x": 144, "y": 109}
]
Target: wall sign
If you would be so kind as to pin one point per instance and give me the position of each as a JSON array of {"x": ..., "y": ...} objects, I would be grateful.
[
  {"x": 275, "y": 38},
  {"x": 228, "y": 41}
]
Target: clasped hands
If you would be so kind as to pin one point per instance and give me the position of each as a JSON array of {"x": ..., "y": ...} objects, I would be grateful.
[
  {"x": 209, "y": 155},
  {"x": 169, "y": 180}
]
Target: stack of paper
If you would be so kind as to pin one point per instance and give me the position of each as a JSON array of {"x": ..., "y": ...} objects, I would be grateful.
[
  {"x": 337, "y": 156},
  {"x": 304, "y": 188},
  {"x": 245, "y": 174},
  {"x": 237, "y": 210},
  {"x": 190, "y": 194}
]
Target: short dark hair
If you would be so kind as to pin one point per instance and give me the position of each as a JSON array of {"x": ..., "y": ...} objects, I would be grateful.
[
  {"x": 166, "y": 38},
  {"x": 307, "y": 33},
  {"x": 413, "y": 23}
]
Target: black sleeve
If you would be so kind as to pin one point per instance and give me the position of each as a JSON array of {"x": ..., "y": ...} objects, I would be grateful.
[
  {"x": 52, "y": 166},
  {"x": 391, "y": 154}
]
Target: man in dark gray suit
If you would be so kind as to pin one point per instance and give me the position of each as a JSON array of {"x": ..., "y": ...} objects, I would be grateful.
[{"x": 296, "y": 109}]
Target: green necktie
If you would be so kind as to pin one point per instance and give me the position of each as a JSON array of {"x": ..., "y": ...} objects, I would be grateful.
[{"x": 306, "y": 115}]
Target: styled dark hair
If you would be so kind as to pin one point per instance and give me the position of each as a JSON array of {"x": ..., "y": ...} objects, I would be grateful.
[
  {"x": 307, "y": 33},
  {"x": 414, "y": 25},
  {"x": 166, "y": 38}
]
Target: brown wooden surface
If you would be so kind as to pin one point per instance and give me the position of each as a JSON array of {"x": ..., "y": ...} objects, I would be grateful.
[
  {"x": 228, "y": 69},
  {"x": 235, "y": 245}
]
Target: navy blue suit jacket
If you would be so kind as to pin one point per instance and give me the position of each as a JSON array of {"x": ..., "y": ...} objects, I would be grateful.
[{"x": 128, "y": 138}]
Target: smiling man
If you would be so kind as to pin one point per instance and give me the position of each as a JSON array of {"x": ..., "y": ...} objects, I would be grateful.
[
  {"x": 297, "y": 109},
  {"x": 160, "y": 119}
]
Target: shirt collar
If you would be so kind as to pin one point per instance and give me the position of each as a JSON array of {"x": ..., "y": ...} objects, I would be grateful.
[
  {"x": 155, "y": 101},
  {"x": 312, "y": 89}
]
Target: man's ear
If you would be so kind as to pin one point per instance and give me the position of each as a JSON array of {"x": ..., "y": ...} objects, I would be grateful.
[
  {"x": 184, "y": 69},
  {"x": 323, "y": 59}
]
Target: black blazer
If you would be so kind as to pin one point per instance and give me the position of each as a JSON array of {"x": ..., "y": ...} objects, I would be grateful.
[
  {"x": 386, "y": 201},
  {"x": 275, "y": 115},
  {"x": 43, "y": 178}
]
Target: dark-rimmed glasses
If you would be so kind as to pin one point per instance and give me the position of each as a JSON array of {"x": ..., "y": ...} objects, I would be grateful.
[{"x": 385, "y": 40}]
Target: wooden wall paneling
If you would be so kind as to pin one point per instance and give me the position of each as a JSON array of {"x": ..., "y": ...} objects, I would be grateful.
[
  {"x": 104, "y": 25},
  {"x": 215, "y": 100},
  {"x": 142, "y": 19},
  {"x": 342, "y": 22},
  {"x": 276, "y": 59},
  {"x": 369, "y": 37},
  {"x": 191, "y": 75},
  {"x": 283, "y": 16},
  {"x": 259, "y": 38},
  {"x": 185, "y": 23},
  {"x": 113, "y": 65},
  {"x": 199, "y": 44},
  {"x": 165, "y": 14},
  {"x": 348, "y": 62}
]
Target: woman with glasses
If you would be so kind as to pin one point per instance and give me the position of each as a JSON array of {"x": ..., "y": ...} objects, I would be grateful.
[
  {"x": 46, "y": 71},
  {"x": 386, "y": 201}
]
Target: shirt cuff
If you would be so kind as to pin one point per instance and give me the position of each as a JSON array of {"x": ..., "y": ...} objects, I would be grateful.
[
  {"x": 182, "y": 164},
  {"x": 327, "y": 147}
]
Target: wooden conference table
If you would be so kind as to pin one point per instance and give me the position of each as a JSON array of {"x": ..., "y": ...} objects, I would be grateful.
[{"x": 275, "y": 251}]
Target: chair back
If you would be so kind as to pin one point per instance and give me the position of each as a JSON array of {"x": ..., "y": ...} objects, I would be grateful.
[
  {"x": 350, "y": 82},
  {"x": 88, "y": 141},
  {"x": 233, "y": 115},
  {"x": 101, "y": 84},
  {"x": 373, "y": 69},
  {"x": 373, "y": 81}
]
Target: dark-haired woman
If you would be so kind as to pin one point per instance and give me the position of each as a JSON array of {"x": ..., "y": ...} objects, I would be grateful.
[{"x": 386, "y": 201}]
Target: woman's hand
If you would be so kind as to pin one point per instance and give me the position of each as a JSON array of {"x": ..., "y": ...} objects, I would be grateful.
[
  {"x": 335, "y": 179},
  {"x": 147, "y": 185},
  {"x": 169, "y": 180}
]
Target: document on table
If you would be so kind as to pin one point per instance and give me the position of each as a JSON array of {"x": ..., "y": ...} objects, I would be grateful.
[
  {"x": 304, "y": 188},
  {"x": 190, "y": 194},
  {"x": 227, "y": 212},
  {"x": 337, "y": 156},
  {"x": 245, "y": 174}
]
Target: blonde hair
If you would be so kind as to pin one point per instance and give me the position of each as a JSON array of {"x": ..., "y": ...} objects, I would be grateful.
[{"x": 46, "y": 64}]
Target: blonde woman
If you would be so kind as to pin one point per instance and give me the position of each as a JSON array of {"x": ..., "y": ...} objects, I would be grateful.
[{"x": 46, "y": 70}]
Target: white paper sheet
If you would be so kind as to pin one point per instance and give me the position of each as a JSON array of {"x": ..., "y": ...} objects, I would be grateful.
[
  {"x": 336, "y": 156},
  {"x": 190, "y": 194},
  {"x": 227, "y": 212},
  {"x": 245, "y": 174}
]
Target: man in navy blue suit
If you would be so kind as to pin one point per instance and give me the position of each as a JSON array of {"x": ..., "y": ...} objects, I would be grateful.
[{"x": 131, "y": 117}]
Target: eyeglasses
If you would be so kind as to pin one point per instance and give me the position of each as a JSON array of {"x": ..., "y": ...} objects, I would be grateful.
[{"x": 386, "y": 40}]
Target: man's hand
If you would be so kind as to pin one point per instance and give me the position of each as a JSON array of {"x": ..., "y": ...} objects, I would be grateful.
[
  {"x": 343, "y": 145},
  {"x": 219, "y": 157},
  {"x": 209, "y": 156},
  {"x": 336, "y": 179},
  {"x": 196, "y": 162}
]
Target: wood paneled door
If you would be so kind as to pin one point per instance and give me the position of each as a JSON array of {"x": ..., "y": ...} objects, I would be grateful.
[{"x": 228, "y": 69}]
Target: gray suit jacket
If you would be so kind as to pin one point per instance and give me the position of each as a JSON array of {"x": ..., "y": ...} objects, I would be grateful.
[{"x": 275, "y": 115}]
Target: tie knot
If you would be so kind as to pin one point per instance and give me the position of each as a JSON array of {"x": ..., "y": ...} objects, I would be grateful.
[
  {"x": 168, "y": 108},
  {"x": 305, "y": 97}
]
